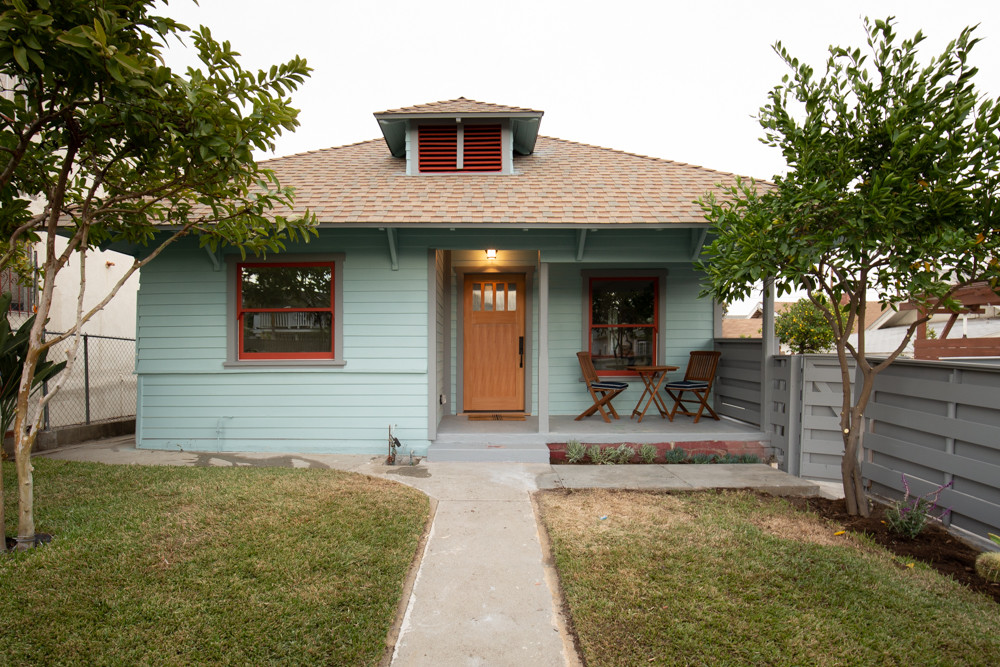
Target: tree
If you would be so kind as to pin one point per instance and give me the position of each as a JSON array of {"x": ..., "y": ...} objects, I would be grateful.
[
  {"x": 803, "y": 328},
  {"x": 119, "y": 148},
  {"x": 891, "y": 188},
  {"x": 13, "y": 350}
]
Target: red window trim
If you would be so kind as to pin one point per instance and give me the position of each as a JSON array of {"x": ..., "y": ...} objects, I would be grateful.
[
  {"x": 240, "y": 311},
  {"x": 591, "y": 326}
]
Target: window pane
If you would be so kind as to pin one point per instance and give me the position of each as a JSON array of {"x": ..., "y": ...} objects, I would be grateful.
[
  {"x": 500, "y": 297},
  {"x": 477, "y": 296},
  {"x": 286, "y": 286},
  {"x": 288, "y": 332},
  {"x": 488, "y": 296},
  {"x": 615, "y": 348},
  {"x": 623, "y": 301},
  {"x": 511, "y": 296}
]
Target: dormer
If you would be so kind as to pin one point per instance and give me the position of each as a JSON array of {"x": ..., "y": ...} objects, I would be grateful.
[{"x": 459, "y": 136}]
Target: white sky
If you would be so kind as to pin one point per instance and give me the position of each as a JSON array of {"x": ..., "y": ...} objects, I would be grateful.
[{"x": 675, "y": 80}]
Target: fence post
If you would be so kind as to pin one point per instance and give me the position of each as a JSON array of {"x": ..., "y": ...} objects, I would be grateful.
[
  {"x": 794, "y": 429},
  {"x": 86, "y": 378}
]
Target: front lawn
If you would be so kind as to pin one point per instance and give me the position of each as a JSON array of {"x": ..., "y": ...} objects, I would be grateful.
[
  {"x": 733, "y": 578},
  {"x": 167, "y": 565}
]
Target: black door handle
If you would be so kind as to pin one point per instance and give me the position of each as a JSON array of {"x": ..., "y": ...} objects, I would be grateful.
[{"x": 520, "y": 349}]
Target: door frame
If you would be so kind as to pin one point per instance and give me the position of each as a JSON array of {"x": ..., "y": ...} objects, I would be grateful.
[{"x": 460, "y": 273}]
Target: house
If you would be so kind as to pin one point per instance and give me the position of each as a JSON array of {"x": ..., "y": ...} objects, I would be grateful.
[
  {"x": 749, "y": 325},
  {"x": 463, "y": 260},
  {"x": 977, "y": 337}
]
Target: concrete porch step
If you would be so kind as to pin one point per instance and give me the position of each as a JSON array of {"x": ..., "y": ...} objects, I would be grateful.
[{"x": 478, "y": 452}]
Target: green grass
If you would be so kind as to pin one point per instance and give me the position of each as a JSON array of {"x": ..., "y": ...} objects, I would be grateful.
[
  {"x": 165, "y": 565},
  {"x": 730, "y": 578}
]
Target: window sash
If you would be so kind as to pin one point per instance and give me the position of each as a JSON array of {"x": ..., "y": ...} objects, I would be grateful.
[
  {"x": 286, "y": 332},
  {"x": 615, "y": 344}
]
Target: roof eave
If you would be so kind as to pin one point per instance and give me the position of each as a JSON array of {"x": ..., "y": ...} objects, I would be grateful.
[{"x": 524, "y": 126}]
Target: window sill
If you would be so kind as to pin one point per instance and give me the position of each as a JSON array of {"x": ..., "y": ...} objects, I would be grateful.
[{"x": 285, "y": 363}]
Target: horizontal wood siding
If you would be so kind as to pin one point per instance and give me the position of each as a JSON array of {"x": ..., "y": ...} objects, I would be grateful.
[
  {"x": 688, "y": 326},
  {"x": 190, "y": 398},
  {"x": 191, "y": 401}
]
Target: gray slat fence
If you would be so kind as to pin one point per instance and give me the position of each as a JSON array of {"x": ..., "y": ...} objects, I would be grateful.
[
  {"x": 938, "y": 422},
  {"x": 738, "y": 383}
]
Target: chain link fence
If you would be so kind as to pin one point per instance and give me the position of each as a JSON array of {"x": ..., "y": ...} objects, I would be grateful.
[{"x": 101, "y": 386}]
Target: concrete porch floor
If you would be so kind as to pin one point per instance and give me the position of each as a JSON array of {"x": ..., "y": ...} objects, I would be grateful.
[{"x": 459, "y": 439}]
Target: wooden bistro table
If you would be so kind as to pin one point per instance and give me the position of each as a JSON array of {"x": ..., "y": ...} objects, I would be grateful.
[{"x": 652, "y": 377}]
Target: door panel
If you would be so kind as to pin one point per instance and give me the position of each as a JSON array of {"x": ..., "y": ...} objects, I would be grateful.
[{"x": 493, "y": 359}]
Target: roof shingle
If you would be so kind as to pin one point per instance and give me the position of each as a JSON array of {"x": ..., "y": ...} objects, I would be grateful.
[{"x": 562, "y": 182}]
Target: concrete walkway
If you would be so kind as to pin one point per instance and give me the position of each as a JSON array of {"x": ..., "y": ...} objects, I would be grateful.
[{"x": 484, "y": 593}]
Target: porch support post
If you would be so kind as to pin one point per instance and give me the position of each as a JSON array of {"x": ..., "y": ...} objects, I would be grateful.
[
  {"x": 543, "y": 348},
  {"x": 769, "y": 347},
  {"x": 433, "y": 398}
]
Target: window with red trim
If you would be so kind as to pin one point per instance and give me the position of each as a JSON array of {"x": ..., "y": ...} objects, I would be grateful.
[
  {"x": 623, "y": 322},
  {"x": 285, "y": 310},
  {"x": 440, "y": 147}
]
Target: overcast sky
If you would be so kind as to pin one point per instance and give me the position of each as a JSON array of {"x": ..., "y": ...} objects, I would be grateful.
[{"x": 675, "y": 80}]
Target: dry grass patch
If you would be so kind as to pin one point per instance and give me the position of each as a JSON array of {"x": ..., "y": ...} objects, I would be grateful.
[{"x": 734, "y": 578}]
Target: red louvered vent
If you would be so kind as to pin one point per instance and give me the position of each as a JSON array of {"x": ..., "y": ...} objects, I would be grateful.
[
  {"x": 482, "y": 148},
  {"x": 438, "y": 145}
]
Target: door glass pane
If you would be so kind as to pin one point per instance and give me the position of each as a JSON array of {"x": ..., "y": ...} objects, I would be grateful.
[
  {"x": 286, "y": 286},
  {"x": 511, "y": 296},
  {"x": 487, "y": 296},
  {"x": 500, "y": 297},
  {"x": 477, "y": 296}
]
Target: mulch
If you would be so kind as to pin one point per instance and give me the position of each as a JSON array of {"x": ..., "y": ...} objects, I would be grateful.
[{"x": 935, "y": 546}]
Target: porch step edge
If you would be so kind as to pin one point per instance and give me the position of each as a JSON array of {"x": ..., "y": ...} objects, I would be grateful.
[{"x": 438, "y": 453}]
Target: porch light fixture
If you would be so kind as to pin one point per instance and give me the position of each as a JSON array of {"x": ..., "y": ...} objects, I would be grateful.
[{"x": 491, "y": 253}]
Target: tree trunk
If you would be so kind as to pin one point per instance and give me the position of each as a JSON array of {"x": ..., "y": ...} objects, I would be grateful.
[
  {"x": 25, "y": 434},
  {"x": 3, "y": 515},
  {"x": 850, "y": 469}
]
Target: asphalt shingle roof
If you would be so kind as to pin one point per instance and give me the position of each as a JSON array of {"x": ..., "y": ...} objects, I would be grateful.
[
  {"x": 561, "y": 183},
  {"x": 459, "y": 105}
]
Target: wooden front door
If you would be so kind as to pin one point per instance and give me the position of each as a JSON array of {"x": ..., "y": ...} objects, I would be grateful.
[{"x": 494, "y": 347}]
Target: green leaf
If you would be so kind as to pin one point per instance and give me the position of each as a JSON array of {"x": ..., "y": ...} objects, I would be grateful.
[
  {"x": 21, "y": 56},
  {"x": 75, "y": 39}
]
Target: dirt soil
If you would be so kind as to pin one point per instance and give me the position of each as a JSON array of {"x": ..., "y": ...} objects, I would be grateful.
[{"x": 934, "y": 545}]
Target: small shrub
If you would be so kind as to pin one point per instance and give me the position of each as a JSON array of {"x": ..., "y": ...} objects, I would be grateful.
[
  {"x": 624, "y": 453},
  {"x": 909, "y": 515},
  {"x": 988, "y": 566},
  {"x": 749, "y": 458},
  {"x": 647, "y": 453},
  {"x": 677, "y": 455},
  {"x": 703, "y": 458},
  {"x": 575, "y": 451},
  {"x": 599, "y": 455}
]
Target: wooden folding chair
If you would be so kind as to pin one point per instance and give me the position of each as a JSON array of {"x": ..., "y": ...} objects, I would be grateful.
[
  {"x": 697, "y": 380},
  {"x": 601, "y": 391}
]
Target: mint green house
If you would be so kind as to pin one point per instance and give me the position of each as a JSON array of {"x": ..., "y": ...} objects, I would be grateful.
[{"x": 462, "y": 262}]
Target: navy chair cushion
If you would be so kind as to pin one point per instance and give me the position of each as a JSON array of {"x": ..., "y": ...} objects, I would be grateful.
[
  {"x": 686, "y": 384},
  {"x": 609, "y": 385}
]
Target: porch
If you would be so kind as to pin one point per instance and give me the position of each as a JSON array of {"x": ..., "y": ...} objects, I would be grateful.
[{"x": 459, "y": 439}]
